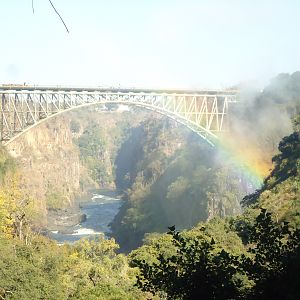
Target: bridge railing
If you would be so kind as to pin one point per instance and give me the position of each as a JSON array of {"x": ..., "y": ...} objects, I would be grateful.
[{"x": 20, "y": 87}]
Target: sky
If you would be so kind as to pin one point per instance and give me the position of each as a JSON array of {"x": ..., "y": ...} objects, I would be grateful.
[{"x": 148, "y": 43}]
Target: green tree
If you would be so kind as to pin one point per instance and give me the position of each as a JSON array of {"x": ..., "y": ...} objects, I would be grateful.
[
  {"x": 196, "y": 271},
  {"x": 275, "y": 268}
]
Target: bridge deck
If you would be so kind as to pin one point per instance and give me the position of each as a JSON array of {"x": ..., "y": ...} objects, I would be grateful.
[{"x": 19, "y": 88}]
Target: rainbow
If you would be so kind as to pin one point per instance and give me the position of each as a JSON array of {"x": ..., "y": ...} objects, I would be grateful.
[{"x": 246, "y": 158}]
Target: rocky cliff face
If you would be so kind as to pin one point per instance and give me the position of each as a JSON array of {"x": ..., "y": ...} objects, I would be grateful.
[
  {"x": 99, "y": 137},
  {"x": 49, "y": 161},
  {"x": 50, "y": 157}
]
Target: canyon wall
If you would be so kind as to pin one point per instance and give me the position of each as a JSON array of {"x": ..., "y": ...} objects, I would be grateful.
[
  {"x": 54, "y": 158},
  {"x": 49, "y": 161}
]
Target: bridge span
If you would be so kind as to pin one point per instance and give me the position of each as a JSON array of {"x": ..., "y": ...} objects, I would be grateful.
[{"x": 23, "y": 107}]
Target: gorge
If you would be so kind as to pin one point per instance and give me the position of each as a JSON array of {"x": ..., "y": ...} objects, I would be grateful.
[
  {"x": 169, "y": 181},
  {"x": 138, "y": 154},
  {"x": 165, "y": 174}
]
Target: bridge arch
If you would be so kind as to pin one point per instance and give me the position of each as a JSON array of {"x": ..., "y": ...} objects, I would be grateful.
[{"x": 204, "y": 113}]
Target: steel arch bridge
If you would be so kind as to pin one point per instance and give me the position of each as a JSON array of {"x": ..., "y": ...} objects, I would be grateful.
[{"x": 23, "y": 107}]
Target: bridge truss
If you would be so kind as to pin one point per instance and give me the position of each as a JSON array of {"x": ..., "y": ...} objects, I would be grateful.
[{"x": 204, "y": 112}]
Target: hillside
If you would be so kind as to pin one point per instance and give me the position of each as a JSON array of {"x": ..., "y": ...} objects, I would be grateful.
[
  {"x": 280, "y": 193},
  {"x": 252, "y": 256}
]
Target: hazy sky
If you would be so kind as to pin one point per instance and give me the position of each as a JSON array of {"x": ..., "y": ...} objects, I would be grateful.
[{"x": 153, "y": 43}]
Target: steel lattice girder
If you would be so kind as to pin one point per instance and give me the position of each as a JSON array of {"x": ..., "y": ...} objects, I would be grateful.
[{"x": 204, "y": 113}]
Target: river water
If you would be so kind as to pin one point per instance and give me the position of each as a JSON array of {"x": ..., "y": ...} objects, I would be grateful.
[{"x": 100, "y": 210}]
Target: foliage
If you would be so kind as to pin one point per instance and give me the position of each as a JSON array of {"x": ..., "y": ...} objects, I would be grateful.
[
  {"x": 98, "y": 144},
  {"x": 178, "y": 275},
  {"x": 17, "y": 211},
  {"x": 94, "y": 270},
  {"x": 275, "y": 268},
  {"x": 7, "y": 165},
  {"x": 281, "y": 189},
  {"x": 75, "y": 126},
  {"x": 29, "y": 274},
  {"x": 44, "y": 270},
  {"x": 55, "y": 200},
  {"x": 92, "y": 145},
  {"x": 201, "y": 267}
]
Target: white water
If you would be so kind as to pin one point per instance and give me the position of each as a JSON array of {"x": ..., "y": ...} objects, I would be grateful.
[
  {"x": 100, "y": 211},
  {"x": 85, "y": 231}
]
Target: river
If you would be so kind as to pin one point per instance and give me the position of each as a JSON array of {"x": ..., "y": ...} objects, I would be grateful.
[{"x": 100, "y": 210}]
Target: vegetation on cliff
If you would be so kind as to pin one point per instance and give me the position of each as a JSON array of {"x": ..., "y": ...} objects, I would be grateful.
[
  {"x": 172, "y": 178},
  {"x": 7, "y": 165},
  {"x": 92, "y": 147},
  {"x": 48, "y": 164},
  {"x": 98, "y": 142}
]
